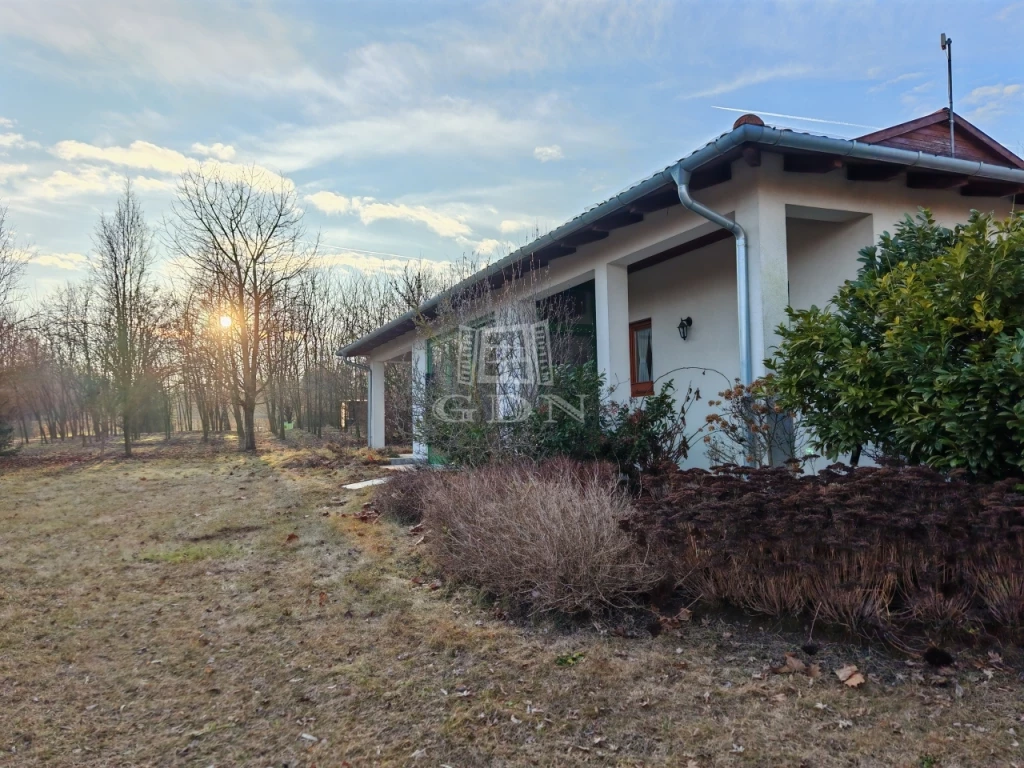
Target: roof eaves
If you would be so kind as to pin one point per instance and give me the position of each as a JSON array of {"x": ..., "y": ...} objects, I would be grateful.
[{"x": 764, "y": 136}]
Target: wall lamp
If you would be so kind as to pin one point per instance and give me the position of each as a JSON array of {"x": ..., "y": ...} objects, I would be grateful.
[{"x": 684, "y": 327}]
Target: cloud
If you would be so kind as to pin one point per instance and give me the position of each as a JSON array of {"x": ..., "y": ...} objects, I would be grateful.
[
  {"x": 139, "y": 154},
  {"x": 546, "y": 154},
  {"x": 330, "y": 203},
  {"x": 143, "y": 155},
  {"x": 362, "y": 261},
  {"x": 371, "y": 210},
  {"x": 216, "y": 46},
  {"x": 9, "y": 170},
  {"x": 485, "y": 247},
  {"x": 507, "y": 226},
  {"x": 754, "y": 77},
  {"x": 6, "y": 122},
  {"x": 218, "y": 150},
  {"x": 992, "y": 100},
  {"x": 83, "y": 181},
  {"x": 444, "y": 225},
  {"x": 88, "y": 180},
  {"x": 914, "y": 97},
  {"x": 15, "y": 141},
  {"x": 448, "y": 127},
  {"x": 896, "y": 80},
  {"x": 69, "y": 261}
]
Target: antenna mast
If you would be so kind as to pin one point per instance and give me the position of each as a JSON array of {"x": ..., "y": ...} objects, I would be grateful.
[{"x": 947, "y": 46}]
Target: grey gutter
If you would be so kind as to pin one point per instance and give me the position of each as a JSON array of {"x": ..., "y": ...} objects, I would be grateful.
[{"x": 761, "y": 135}]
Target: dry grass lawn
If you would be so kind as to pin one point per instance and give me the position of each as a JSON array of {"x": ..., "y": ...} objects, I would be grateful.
[{"x": 193, "y": 606}]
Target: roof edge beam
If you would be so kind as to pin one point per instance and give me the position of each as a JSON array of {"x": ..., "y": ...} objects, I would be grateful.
[
  {"x": 931, "y": 180},
  {"x": 873, "y": 171},
  {"x": 811, "y": 163}
]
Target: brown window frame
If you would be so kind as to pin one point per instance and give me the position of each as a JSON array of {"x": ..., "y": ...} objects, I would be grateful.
[{"x": 641, "y": 388}]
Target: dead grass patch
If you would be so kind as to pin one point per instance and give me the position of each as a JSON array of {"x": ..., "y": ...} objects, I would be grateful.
[
  {"x": 107, "y": 660},
  {"x": 190, "y": 554}
]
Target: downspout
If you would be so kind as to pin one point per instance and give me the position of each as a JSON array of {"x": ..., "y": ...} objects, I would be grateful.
[{"x": 681, "y": 176}]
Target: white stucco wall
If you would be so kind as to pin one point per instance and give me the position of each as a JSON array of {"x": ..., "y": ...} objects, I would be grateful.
[
  {"x": 700, "y": 285},
  {"x": 822, "y": 254}
]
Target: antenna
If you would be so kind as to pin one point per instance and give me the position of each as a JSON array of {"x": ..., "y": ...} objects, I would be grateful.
[{"x": 947, "y": 46}]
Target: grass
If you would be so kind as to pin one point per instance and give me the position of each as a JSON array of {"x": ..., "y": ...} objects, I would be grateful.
[{"x": 196, "y": 607}]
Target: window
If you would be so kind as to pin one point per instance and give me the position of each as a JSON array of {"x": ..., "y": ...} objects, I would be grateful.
[{"x": 641, "y": 359}]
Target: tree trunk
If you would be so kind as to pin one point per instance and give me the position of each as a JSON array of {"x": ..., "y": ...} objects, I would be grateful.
[
  {"x": 250, "y": 427},
  {"x": 239, "y": 426},
  {"x": 127, "y": 436}
]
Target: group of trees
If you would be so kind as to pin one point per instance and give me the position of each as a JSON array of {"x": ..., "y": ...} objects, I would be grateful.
[{"x": 241, "y": 319}]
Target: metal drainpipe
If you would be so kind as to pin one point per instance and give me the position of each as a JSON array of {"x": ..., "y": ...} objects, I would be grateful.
[{"x": 681, "y": 176}]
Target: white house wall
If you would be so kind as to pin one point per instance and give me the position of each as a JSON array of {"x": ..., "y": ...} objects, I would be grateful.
[
  {"x": 804, "y": 232},
  {"x": 700, "y": 285},
  {"x": 823, "y": 254}
]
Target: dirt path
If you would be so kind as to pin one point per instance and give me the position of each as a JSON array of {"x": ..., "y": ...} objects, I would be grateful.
[{"x": 197, "y": 607}]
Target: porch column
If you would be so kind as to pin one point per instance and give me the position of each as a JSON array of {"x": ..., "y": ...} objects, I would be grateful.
[
  {"x": 419, "y": 388},
  {"x": 611, "y": 305},
  {"x": 763, "y": 216},
  {"x": 375, "y": 405}
]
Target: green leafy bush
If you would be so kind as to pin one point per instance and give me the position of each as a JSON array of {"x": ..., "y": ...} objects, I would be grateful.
[
  {"x": 637, "y": 435},
  {"x": 922, "y": 356}
]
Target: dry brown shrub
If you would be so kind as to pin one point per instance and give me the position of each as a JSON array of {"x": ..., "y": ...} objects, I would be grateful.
[
  {"x": 546, "y": 537},
  {"x": 401, "y": 498},
  {"x": 871, "y": 550}
]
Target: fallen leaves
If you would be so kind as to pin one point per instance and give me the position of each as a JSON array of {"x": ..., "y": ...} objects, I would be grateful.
[
  {"x": 793, "y": 666},
  {"x": 849, "y": 676},
  {"x": 790, "y": 666},
  {"x": 674, "y": 622}
]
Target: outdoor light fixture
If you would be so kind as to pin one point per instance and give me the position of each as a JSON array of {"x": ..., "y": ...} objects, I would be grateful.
[{"x": 684, "y": 327}]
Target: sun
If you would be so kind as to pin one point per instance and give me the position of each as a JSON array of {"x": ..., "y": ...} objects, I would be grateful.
[{"x": 225, "y": 321}]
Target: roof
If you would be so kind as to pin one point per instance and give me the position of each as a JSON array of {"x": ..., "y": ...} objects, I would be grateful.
[
  {"x": 875, "y": 157},
  {"x": 931, "y": 134}
]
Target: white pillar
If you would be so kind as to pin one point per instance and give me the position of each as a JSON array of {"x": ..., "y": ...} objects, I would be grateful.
[
  {"x": 375, "y": 406},
  {"x": 611, "y": 305},
  {"x": 763, "y": 216},
  {"x": 419, "y": 387}
]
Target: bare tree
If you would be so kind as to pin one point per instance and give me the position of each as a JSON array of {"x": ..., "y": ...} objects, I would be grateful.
[
  {"x": 10, "y": 271},
  {"x": 242, "y": 235},
  {"x": 10, "y": 265},
  {"x": 128, "y": 308}
]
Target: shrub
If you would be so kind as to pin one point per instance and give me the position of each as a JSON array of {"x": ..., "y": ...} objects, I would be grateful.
[
  {"x": 545, "y": 537},
  {"x": 923, "y": 354},
  {"x": 6, "y": 438},
  {"x": 401, "y": 498},
  {"x": 753, "y": 428},
  {"x": 875, "y": 550}
]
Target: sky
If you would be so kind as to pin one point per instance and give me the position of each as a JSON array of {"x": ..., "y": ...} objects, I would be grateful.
[{"x": 435, "y": 129}]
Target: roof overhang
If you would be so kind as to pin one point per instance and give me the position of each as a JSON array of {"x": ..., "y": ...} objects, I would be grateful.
[{"x": 807, "y": 153}]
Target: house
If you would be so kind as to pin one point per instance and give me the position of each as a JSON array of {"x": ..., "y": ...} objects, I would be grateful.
[{"x": 722, "y": 241}]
